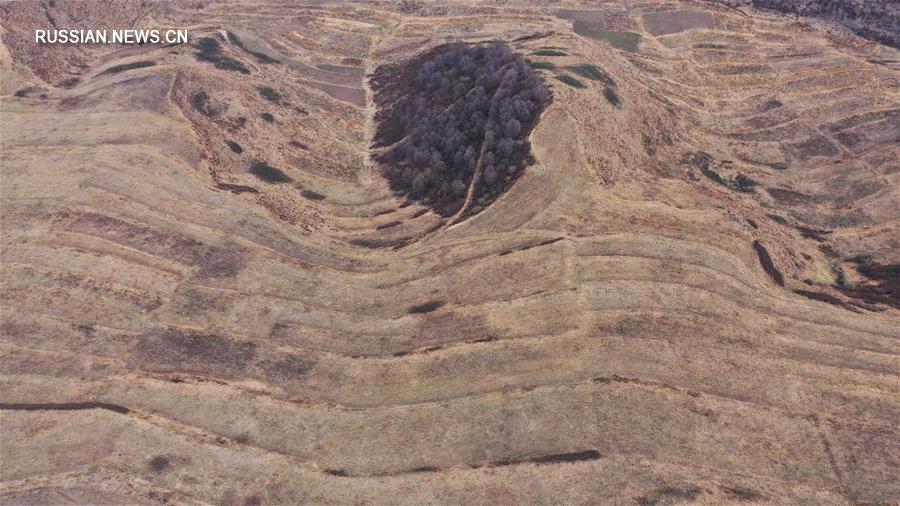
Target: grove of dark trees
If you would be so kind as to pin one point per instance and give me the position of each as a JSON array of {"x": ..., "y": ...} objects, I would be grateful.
[{"x": 452, "y": 112}]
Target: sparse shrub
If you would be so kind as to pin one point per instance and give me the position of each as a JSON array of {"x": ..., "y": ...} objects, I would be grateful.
[
  {"x": 456, "y": 110},
  {"x": 549, "y": 52},
  {"x": 703, "y": 161},
  {"x": 670, "y": 495},
  {"x": 380, "y": 243},
  {"x": 199, "y": 100},
  {"x": 611, "y": 96},
  {"x": 742, "y": 183},
  {"x": 770, "y": 104},
  {"x": 389, "y": 224},
  {"x": 226, "y": 63},
  {"x": 269, "y": 94},
  {"x": 159, "y": 463},
  {"x": 870, "y": 269},
  {"x": 235, "y": 147},
  {"x": 713, "y": 175},
  {"x": 207, "y": 45},
  {"x": 592, "y": 72},
  {"x": 268, "y": 173},
  {"x": 571, "y": 81},
  {"x": 267, "y": 117},
  {"x": 739, "y": 493},
  {"x": 777, "y": 219},
  {"x": 311, "y": 195},
  {"x": 766, "y": 261},
  {"x": 426, "y": 307},
  {"x": 840, "y": 278},
  {"x": 543, "y": 65},
  {"x": 209, "y": 50},
  {"x": 129, "y": 66}
]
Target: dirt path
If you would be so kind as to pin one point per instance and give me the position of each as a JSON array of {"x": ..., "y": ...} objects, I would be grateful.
[{"x": 478, "y": 168}]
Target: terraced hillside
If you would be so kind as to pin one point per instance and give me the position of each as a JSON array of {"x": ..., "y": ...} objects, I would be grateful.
[{"x": 210, "y": 293}]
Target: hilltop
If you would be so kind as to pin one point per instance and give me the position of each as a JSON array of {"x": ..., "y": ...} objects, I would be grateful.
[{"x": 213, "y": 291}]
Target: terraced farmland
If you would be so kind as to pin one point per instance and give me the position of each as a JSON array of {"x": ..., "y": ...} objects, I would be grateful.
[{"x": 210, "y": 293}]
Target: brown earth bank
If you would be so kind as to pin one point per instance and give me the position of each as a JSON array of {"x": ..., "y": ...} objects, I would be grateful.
[{"x": 211, "y": 294}]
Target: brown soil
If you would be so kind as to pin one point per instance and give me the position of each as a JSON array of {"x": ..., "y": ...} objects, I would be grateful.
[{"x": 175, "y": 329}]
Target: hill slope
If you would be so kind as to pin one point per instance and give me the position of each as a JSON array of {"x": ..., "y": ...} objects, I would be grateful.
[{"x": 211, "y": 294}]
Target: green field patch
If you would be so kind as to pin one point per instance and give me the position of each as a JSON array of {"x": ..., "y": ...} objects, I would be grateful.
[{"x": 626, "y": 41}]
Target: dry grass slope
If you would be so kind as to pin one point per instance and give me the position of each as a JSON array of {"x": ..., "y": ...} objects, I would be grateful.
[{"x": 178, "y": 329}]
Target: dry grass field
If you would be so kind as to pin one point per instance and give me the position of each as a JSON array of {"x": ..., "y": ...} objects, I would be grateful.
[{"x": 211, "y": 295}]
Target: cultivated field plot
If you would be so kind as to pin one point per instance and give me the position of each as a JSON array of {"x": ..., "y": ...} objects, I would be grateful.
[{"x": 240, "y": 270}]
